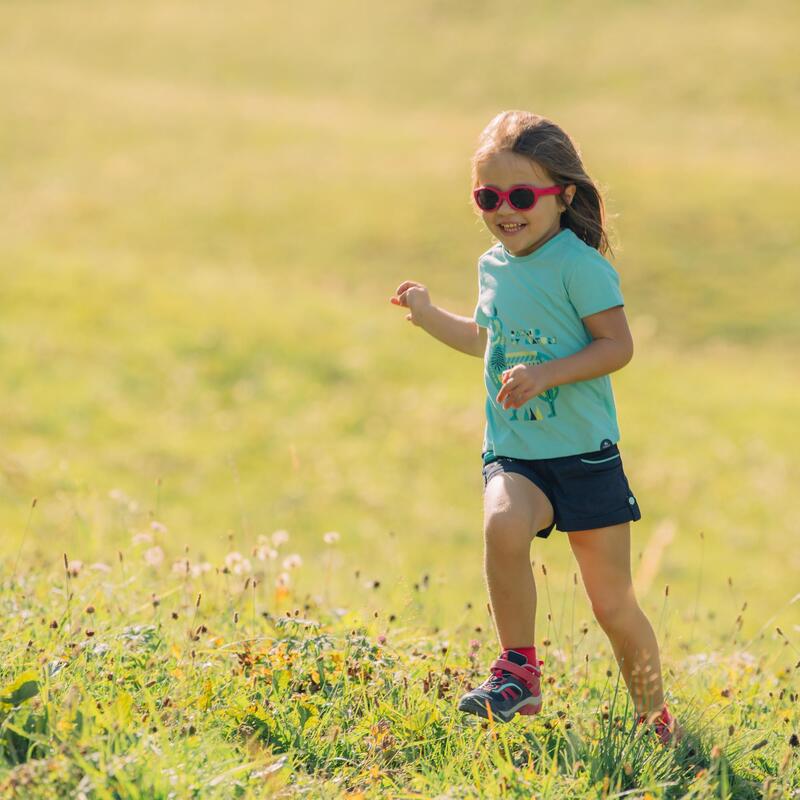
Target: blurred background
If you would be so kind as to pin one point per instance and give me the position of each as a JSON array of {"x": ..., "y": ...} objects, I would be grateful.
[{"x": 206, "y": 209}]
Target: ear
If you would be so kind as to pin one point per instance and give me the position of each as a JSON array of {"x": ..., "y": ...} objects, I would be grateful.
[{"x": 569, "y": 194}]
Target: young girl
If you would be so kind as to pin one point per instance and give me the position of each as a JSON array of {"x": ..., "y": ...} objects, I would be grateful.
[{"x": 550, "y": 326}]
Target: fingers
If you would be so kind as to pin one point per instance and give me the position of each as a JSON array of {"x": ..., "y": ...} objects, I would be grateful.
[
  {"x": 406, "y": 285},
  {"x": 400, "y": 300}
]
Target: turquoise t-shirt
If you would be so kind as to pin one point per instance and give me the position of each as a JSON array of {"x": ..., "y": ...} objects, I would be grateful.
[{"x": 533, "y": 307}]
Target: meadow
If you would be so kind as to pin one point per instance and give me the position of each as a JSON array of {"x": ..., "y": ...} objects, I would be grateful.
[{"x": 241, "y": 495}]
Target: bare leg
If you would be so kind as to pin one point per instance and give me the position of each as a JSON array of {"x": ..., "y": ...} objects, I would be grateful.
[
  {"x": 514, "y": 509},
  {"x": 603, "y": 555}
]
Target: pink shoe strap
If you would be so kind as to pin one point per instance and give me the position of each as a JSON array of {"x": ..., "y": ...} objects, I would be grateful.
[{"x": 526, "y": 672}]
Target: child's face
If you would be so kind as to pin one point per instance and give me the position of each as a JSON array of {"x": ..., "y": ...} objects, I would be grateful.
[{"x": 520, "y": 232}]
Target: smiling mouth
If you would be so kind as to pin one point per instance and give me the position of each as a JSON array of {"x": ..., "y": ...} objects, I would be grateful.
[{"x": 511, "y": 227}]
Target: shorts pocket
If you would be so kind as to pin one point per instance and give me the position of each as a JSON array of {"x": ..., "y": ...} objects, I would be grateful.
[
  {"x": 604, "y": 464},
  {"x": 600, "y": 460}
]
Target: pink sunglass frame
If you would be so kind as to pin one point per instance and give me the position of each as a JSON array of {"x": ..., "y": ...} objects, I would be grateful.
[{"x": 537, "y": 193}]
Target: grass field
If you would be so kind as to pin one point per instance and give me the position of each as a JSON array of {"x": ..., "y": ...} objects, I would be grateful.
[{"x": 205, "y": 210}]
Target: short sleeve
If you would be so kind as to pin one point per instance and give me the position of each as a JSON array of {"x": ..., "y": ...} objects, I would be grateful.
[
  {"x": 479, "y": 315},
  {"x": 592, "y": 286}
]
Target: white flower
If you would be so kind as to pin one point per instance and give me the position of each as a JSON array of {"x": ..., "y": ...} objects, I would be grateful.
[
  {"x": 265, "y": 552},
  {"x": 153, "y": 556},
  {"x": 330, "y": 537},
  {"x": 142, "y": 538},
  {"x": 75, "y": 567},
  {"x": 279, "y": 537},
  {"x": 242, "y": 567},
  {"x": 158, "y": 527},
  {"x": 292, "y": 562},
  {"x": 181, "y": 567},
  {"x": 236, "y": 563},
  {"x": 283, "y": 579},
  {"x": 199, "y": 569}
]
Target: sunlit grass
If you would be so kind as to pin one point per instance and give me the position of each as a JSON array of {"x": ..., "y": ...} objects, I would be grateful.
[{"x": 162, "y": 677}]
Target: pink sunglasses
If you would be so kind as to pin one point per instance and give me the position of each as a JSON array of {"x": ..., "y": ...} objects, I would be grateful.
[{"x": 521, "y": 198}]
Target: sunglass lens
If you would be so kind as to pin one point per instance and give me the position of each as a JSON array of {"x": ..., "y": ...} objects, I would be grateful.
[
  {"x": 522, "y": 199},
  {"x": 487, "y": 199}
]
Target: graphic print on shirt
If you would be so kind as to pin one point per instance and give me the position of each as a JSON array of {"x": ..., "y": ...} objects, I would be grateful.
[{"x": 501, "y": 358}]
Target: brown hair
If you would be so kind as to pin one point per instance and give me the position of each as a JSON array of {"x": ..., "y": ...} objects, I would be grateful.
[{"x": 544, "y": 142}]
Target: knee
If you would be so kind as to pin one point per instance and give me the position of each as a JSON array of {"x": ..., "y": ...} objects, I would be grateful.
[
  {"x": 614, "y": 611},
  {"x": 507, "y": 532}
]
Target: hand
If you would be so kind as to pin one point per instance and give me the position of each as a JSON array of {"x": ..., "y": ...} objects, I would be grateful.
[
  {"x": 413, "y": 295},
  {"x": 522, "y": 383}
]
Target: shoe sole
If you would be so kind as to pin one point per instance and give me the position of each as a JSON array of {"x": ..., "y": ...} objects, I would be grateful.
[{"x": 529, "y": 707}]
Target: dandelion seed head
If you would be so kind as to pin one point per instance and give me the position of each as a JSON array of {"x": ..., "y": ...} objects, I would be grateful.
[
  {"x": 236, "y": 563},
  {"x": 330, "y": 537},
  {"x": 279, "y": 537},
  {"x": 181, "y": 567},
  {"x": 292, "y": 561},
  {"x": 153, "y": 556}
]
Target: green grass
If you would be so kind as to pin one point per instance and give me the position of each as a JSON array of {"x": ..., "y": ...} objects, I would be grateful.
[{"x": 206, "y": 212}]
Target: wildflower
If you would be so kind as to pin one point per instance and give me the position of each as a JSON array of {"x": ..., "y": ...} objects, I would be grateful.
[
  {"x": 283, "y": 579},
  {"x": 118, "y": 495},
  {"x": 181, "y": 567},
  {"x": 474, "y": 644},
  {"x": 264, "y": 553},
  {"x": 158, "y": 527},
  {"x": 142, "y": 538},
  {"x": 100, "y": 567},
  {"x": 74, "y": 567},
  {"x": 199, "y": 569},
  {"x": 330, "y": 537},
  {"x": 292, "y": 561},
  {"x": 381, "y": 639},
  {"x": 236, "y": 563},
  {"x": 279, "y": 537},
  {"x": 153, "y": 556}
]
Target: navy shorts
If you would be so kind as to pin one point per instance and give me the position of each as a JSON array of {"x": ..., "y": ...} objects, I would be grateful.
[{"x": 587, "y": 490}]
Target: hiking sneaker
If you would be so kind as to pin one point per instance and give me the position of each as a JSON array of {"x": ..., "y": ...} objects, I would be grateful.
[
  {"x": 512, "y": 688},
  {"x": 664, "y": 725}
]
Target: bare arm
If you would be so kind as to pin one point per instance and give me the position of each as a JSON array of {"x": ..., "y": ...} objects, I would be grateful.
[
  {"x": 611, "y": 349},
  {"x": 460, "y": 333}
]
